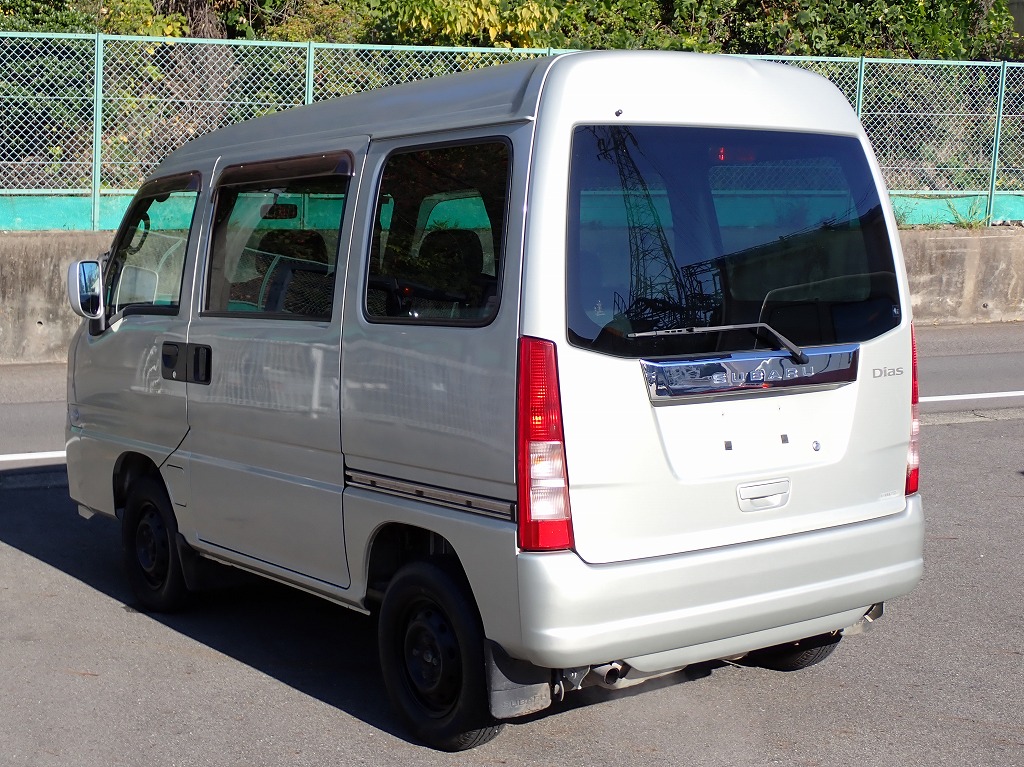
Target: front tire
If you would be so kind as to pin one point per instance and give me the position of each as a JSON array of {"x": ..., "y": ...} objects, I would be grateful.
[
  {"x": 149, "y": 538},
  {"x": 432, "y": 657}
]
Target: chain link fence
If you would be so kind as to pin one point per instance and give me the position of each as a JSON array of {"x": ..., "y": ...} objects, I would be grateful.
[
  {"x": 46, "y": 113},
  {"x": 84, "y": 119}
]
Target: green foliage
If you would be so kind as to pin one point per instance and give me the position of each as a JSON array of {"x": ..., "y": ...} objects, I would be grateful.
[
  {"x": 946, "y": 29},
  {"x": 461, "y": 22},
  {"x": 324, "y": 21},
  {"x": 953, "y": 29},
  {"x": 934, "y": 29},
  {"x": 607, "y": 24},
  {"x": 968, "y": 213},
  {"x": 137, "y": 17},
  {"x": 40, "y": 16},
  {"x": 706, "y": 26}
]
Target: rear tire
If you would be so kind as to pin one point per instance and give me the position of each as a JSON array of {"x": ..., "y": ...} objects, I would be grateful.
[
  {"x": 432, "y": 657},
  {"x": 149, "y": 539},
  {"x": 797, "y": 655}
]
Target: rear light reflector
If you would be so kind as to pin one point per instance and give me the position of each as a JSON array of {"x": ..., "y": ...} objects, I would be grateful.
[
  {"x": 545, "y": 523},
  {"x": 914, "y": 450}
]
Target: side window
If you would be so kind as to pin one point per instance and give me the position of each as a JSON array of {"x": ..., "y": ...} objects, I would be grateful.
[
  {"x": 144, "y": 272},
  {"x": 275, "y": 244},
  {"x": 437, "y": 244}
]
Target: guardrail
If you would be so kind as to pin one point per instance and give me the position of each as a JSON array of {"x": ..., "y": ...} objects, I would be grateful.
[{"x": 84, "y": 118}]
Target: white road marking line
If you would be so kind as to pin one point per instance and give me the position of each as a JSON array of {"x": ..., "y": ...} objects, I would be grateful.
[
  {"x": 943, "y": 398},
  {"x": 983, "y": 395},
  {"x": 32, "y": 456}
]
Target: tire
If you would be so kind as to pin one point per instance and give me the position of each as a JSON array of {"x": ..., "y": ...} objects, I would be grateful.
[
  {"x": 798, "y": 655},
  {"x": 432, "y": 658},
  {"x": 149, "y": 539}
]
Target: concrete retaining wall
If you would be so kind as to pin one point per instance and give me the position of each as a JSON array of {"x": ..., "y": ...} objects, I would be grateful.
[
  {"x": 965, "y": 275},
  {"x": 956, "y": 276},
  {"x": 36, "y": 321}
]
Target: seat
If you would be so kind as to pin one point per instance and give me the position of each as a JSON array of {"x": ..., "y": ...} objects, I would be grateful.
[
  {"x": 304, "y": 244},
  {"x": 301, "y": 281},
  {"x": 457, "y": 256}
]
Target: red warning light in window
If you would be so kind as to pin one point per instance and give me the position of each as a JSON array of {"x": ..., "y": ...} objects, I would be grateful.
[{"x": 734, "y": 154}]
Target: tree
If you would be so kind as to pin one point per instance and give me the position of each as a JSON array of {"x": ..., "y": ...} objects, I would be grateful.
[
  {"x": 950, "y": 29},
  {"x": 40, "y": 16},
  {"x": 323, "y": 21},
  {"x": 205, "y": 18},
  {"x": 941, "y": 29},
  {"x": 610, "y": 24},
  {"x": 138, "y": 17},
  {"x": 461, "y": 22}
]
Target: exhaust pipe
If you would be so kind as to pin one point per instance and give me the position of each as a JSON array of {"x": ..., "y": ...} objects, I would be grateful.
[
  {"x": 615, "y": 675},
  {"x": 608, "y": 674}
]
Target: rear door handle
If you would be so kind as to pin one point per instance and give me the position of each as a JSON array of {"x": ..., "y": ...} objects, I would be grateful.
[{"x": 758, "y": 496}]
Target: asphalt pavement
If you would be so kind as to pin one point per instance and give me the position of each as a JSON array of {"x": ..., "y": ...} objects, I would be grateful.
[
  {"x": 979, "y": 361},
  {"x": 263, "y": 676}
]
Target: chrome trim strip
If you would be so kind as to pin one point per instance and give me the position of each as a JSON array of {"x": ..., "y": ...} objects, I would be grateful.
[
  {"x": 475, "y": 504},
  {"x": 746, "y": 372}
]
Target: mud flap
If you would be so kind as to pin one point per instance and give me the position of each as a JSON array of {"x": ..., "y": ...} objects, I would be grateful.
[
  {"x": 202, "y": 574},
  {"x": 514, "y": 687}
]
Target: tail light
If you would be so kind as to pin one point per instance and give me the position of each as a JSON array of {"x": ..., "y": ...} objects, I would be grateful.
[
  {"x": 914, "y": 450},
  {"x": 545, "y": 523}
]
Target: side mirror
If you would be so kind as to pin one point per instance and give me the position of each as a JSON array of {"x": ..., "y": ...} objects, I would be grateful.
[{"x": 85, "y": 285}]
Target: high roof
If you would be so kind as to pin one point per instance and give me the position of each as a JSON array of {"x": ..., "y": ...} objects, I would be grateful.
[
  {"x": 487, "y": 96},
  {"x": 681, "y": 88}
]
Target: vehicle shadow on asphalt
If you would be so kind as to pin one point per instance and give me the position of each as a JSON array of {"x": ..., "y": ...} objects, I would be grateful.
[{"x": 318, "y": 648}]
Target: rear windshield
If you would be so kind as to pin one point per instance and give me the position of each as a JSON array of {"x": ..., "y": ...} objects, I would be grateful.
[{"x": 674, "y": 227}]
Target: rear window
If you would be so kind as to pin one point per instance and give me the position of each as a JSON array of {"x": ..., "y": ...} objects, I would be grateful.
[
  {"x": 673, "y": 227},
  {"x": 435, "y": 257}
]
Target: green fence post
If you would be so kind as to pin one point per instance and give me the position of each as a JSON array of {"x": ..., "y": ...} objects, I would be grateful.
[
  {"x": 97, "y": 130},
  {"x": 861, "y": 67},
  {"x": 995, "y": 145},
  {"x": 310, "y": 51}
]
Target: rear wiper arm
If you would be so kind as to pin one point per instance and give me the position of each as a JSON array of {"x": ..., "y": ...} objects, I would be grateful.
[{"x": 798, "y": 354}]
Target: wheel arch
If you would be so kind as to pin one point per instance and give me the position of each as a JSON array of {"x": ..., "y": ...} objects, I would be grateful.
[
  {"x": 383, "y": 532},
  {"x": 395, "y": 544},
  {"x": 129, "y": 467}
]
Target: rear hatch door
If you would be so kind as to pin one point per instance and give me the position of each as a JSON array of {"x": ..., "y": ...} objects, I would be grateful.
[{"x": 738, "y": 359}]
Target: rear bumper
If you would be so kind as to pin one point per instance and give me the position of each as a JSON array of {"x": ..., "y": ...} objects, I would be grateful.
[{"x": 666, "y": 612}]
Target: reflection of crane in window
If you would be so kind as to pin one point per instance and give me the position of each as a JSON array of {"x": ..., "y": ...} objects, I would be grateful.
[{"x": 661, "y": 294}]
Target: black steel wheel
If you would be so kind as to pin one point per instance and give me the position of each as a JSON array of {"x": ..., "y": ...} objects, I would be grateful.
[
  {"x": 149, "y": 533},
  {"x": 432, "y": 657}
]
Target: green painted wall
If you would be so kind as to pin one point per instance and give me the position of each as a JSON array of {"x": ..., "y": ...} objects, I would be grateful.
[{"x": 73, "y": 213}]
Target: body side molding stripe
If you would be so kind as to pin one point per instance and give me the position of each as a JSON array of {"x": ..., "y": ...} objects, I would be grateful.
[{"x": 475, "y": 504}]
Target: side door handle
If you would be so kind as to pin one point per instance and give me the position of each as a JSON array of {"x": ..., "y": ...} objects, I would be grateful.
[
  {"x": 172, "y": 362},
  {"x": 200, "y": 363}
]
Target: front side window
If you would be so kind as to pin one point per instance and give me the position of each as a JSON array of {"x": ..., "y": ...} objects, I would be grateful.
[
  {"x": 274, "y": 246},
  {"x": 438, "y": 237},
  {"x": 672, "y": 228},
  {"x": 145, "y": 268}
]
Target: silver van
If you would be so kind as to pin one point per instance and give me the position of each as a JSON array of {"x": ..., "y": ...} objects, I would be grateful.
[{"x": 575, "y": 371}]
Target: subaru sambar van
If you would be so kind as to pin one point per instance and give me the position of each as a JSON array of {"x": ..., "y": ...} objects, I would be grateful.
[{"x": 575, "y": 371}]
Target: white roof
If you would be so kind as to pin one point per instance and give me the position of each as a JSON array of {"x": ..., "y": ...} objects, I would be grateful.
[{"x": 665, "y": 86}]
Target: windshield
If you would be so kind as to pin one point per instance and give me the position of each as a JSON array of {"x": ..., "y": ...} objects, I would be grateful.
[{"x": 673, "y": 227}]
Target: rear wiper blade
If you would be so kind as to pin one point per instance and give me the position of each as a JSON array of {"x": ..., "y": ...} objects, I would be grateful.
[{"x": 798, "y": 355}]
